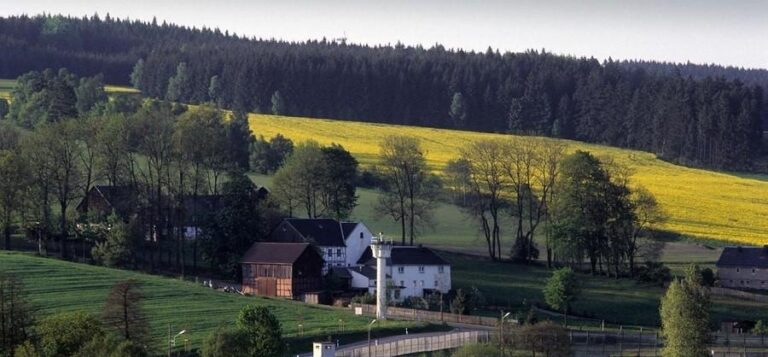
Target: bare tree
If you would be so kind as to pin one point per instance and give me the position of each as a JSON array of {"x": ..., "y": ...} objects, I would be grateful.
[
  {"x": 486, "y": 185},
  {"x": 123, "y": 312},
  {"x": 409, "y": 194}
]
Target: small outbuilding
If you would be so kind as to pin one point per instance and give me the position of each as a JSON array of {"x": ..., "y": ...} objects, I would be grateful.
[{"x": 282, "y": 269}]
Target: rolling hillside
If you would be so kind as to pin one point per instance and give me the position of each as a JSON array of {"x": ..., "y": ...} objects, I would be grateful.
[
  {"x": 704, "y": 204},
  {"x": 56, "y": 286}
]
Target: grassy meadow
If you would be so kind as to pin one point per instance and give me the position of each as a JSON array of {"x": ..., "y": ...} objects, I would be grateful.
[
  {"x": 700, "y": 203},
  {"x": 56, "y": 286},
  {"x": 617, "y": 301}
]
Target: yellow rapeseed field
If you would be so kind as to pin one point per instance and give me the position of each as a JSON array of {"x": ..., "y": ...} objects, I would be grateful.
[{"x": 700, "y": 203}]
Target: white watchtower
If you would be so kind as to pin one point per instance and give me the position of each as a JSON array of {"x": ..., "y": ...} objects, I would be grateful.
[{"x": 381, "y": 251}]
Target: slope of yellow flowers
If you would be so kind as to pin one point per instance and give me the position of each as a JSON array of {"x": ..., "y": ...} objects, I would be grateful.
[{"x": 699, "y": 203}]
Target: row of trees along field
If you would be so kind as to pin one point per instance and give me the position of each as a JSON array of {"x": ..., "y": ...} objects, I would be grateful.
[
  {"x": 684, "y": 113},
  {"x": 63, "y": 137},
  {"x": 583, "y": 206}
]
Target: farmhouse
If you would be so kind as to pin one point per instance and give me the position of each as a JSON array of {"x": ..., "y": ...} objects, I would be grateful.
[
  {"x": 743, "y": 268},
  {"x": 281, "y": 269},
  {"x": 413, "y": 272},
  {"x": 102, "y": 201},
  {"x": 340, "y": 243}
]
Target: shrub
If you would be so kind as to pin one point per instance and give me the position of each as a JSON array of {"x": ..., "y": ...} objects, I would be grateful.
[
  {"x": 263, "y": 331},
  {"x": 654, "y": 272},
  {"x": 708, "y": 277},
  {"x": 225, "y": 342},
  {"x": 477, "y": 350},
  {"x": 366, "y": 299},
  {"x": 546, "y": 337}
]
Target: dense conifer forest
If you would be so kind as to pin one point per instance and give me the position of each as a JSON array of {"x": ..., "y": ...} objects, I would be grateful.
[{"x": 696, "y": 115}]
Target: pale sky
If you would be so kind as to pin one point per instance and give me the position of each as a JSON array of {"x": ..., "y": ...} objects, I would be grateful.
[{"x": 704, "y": 31}]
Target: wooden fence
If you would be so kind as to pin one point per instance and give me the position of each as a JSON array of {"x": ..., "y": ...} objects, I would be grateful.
[
  {"x": 417, "y": 345},
  {"x": 429, "y": 316}
]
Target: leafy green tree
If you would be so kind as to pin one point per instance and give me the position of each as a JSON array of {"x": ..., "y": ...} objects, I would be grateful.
[
  {"x": 4, "y": 108},
  {"x": 110, "y": 346},
  {"x": 297, "y": 183},
  {"x": 225, "y": 342},
  {"x": 268, "y": 156},
  {"x": 761, "y": 328},
  {"x": 263, "y": 330},
  {"x": 561, "y": 290},
  {"x": 13, "y": 182},
  {"x": 16, "y": 314},
  {"x": 278, "y": 104},
  {"x": 339, "y": 181},
  {"x": 90, "y": 93},
  {"x": 547, "y": 338},
  {"x": 234, "y": 227},
  {"x": 177, "y": 84},
  {"x": 137, "y": 74},
  {"x": 685, "y": 316},
  {"x": 120, "y": 244},
  {"x": 27, "y": 349},
  {"x": 460, "y": 303},
  {"x": 65, "y": 334},
  {"x": 239, "y": 140},
  {"x": 458, "y": 111}
]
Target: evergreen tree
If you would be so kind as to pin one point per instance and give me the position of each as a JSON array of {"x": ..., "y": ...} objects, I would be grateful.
[
  {"x": 214, "y": 90},
  {"x": 137, "y": 74},
  {"x": 177, "y": 85}
]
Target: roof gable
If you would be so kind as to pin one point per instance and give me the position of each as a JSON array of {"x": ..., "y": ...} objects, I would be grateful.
[
  {"x": 323, "y": 232},
  {"x": 743, "y": 257},
  {"x": 347, "y": 228},
  {"x": 406, "y": 255},
  {"x": 274, "y": 253}
]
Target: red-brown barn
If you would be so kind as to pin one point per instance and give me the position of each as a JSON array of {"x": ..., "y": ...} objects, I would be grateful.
[{"x": 282, "y": 269}]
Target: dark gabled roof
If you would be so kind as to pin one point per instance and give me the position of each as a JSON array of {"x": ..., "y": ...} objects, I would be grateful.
[
  {"x": 324, "y": 232},
  {"x": 366, "y": 256},
  {"x": 340, "y": 272},
  {"x": 366, "y": 271},
  {"x": 416, "y": 256},
  {"x": 752, "y": 257},
  {"x": 275, "y": 253},
  {"x": 347, "y": 228},
  {"x": 122, "y": 199},
  {"x": 405, "y": 255}
]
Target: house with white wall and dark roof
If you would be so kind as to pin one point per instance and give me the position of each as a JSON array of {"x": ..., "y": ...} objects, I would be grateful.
[
  {"x": 340, "y": 243},
  {"x": 414, "y": 271},
  {"x": 743, "y": 268}
]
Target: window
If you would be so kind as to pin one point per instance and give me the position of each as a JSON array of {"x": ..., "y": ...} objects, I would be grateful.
[
  {"x": 338, "y": 252},
  {"x": 421, "y": 283},
  {"x": 401, "y": 270},
  {"x": 421, "y": 269},
  {"x": 753, "y": 270},
  {"x": 397, "y": 291},
  {"x": 414, "y": 283},
  {"x": 402, "y": 283},
  {"x": 441, "y": 269},
  {"x": 361, "y": 235},
  {"x": 330, "y": 253},
  {"x": 436, "y": 284},
  {"x": 737, "y": 270}
]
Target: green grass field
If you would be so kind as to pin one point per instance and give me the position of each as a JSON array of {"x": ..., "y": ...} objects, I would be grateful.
[
  {"x": 617, "y": 301},
  {"x": 56, "y": 286}
]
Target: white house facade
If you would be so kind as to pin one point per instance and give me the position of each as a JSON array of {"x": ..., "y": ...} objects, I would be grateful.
[{"x": 412, "y": 272}]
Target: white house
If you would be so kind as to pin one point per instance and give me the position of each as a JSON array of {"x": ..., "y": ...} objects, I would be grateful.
[
  {"x": 340, "y": 243},
  {"x": 413, "y": 272}
]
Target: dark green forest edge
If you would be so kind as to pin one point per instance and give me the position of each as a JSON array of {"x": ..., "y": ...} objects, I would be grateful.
[{"x": 706, "y": 116}]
